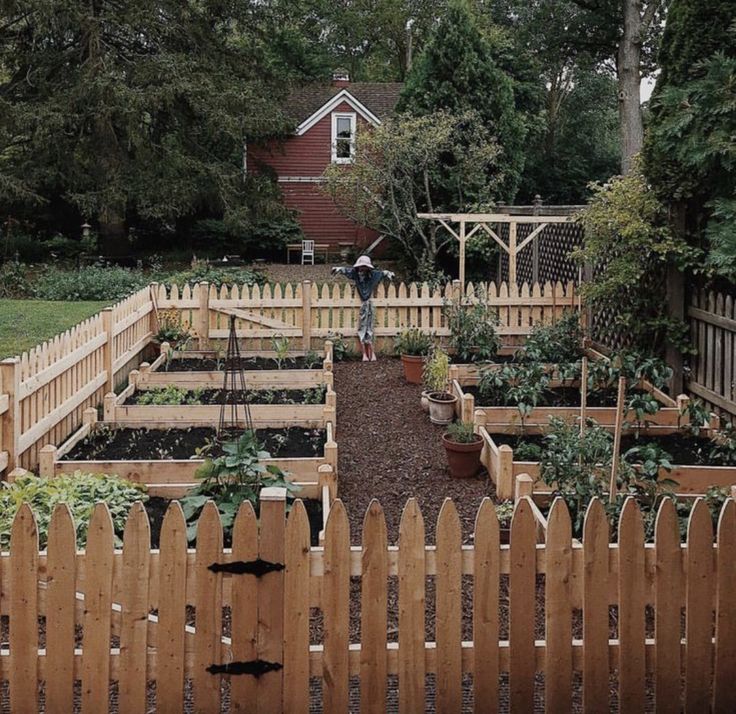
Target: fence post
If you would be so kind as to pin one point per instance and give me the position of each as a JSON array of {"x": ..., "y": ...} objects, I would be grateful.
[
  {"x": 203, "y": 316},
  {"x": 10, "y": 421},
  {"x": 108, "y": 351},
  {"x": 270, "y": 644},
  {"x": 153, "y": 297},
  {"x": 307, "y": 315}
]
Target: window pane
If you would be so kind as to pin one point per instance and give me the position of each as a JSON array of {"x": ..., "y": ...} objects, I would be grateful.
[
  {"x": 342, "y": 149},
  {"x": 343, "y": 127}
]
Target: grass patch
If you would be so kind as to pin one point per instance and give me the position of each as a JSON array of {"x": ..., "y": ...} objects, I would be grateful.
[{"x": 26, "y": 323}]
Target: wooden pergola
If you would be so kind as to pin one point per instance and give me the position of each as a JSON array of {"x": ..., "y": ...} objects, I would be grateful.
[{"x": 485, "y": 222}]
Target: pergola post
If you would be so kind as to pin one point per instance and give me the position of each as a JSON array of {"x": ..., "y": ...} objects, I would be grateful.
[
  {"x": 462, "y": 255},
  {"x": 512, "y": 253}
]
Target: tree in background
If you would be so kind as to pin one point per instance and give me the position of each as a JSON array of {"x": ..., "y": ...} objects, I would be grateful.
[
  {"x": 131, "y": 110},
  {"x": 458, "y": 72},
  {"x": 690, "y": 155},
  {"x": 410, "y": 165}
]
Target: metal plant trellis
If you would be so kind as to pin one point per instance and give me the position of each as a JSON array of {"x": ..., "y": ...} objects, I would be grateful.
[{"x": 234, "y": 390}]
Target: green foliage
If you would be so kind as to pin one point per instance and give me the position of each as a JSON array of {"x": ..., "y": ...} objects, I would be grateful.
[
  {"x": 202, "y": 272},
  {"x": 472, "y": 326},
  {"x": 92, "y": 282},
  {"x": 723, "y": 451},
  {"x": 172, "y": 330},
  {"x": 342, "y": 349},
  {"x": 461, "y": 432},
  {"x": 629, "y": 243},
  {"x": 504, "y": 513},
  {"x": 79, "y": 491},
  {"x": 170, "y": 395},
  {"x": 412, "y": 341},
  {"x": 561, "y": 341},
  {"x": 232, "y": 479},
  {"x": 527, "y": 451},
  {"x": 435, "y": 374},
  {"x": 605, "y": 373},
  {"x": 412, "y": 164},
  {"x": 280, "y": 346},
  {"x": 521, "y": 385},
  {"x": 458, "y": 71},
  {"x": 14, "y": 281}
]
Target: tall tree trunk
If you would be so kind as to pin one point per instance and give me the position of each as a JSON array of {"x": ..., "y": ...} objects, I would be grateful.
[{"x": 629, "y": 84}]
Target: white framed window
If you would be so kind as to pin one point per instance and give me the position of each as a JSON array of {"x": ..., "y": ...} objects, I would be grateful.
[{"x": 343, "y": 137}]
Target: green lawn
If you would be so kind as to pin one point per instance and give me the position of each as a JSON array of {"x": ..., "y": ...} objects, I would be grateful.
[{"x": 25, "y": 323}]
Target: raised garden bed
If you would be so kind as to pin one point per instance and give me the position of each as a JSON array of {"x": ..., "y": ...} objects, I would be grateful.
[
  {"x": 123, "y": 408},
  {"x": 165, "y": 460},
  {"x": 690, "y": 469},
  {"x": 204, "y": 370}
]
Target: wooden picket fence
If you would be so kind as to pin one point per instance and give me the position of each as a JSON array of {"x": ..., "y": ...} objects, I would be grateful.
[
  {"x": 44, "y": 392},
  {"x": 713, "y": 335},
  {"x": 534, "y": 626},
  {"x": 305, "y": 312}
]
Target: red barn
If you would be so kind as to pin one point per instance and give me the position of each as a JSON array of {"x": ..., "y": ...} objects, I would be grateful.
[{"x": 327, "y": 118}]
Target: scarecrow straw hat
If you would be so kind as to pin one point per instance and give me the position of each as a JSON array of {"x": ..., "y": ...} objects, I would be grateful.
[{"x": 363, "y": 262}]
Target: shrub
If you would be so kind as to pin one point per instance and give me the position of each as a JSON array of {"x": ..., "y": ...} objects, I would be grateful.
[
  {"x": 561, "y": 341},
  {"x": 14, "y": 282},
  {"x": 414, "y": 342},
  {"x": 80, "y": 491},
  {"x": 92, "y": 282},
  {"x": 472, "y": 327}
]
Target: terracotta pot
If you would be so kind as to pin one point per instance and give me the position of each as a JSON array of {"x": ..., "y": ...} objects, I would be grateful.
[
  {"x": 413, "y": 366},
  {"x": 463, "y": 459},
  {"x": 441, "y": 407},
  {"x": 425, "y": 401}
]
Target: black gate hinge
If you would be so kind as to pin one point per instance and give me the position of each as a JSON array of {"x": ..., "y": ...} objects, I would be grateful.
[
  {"x": 258, "y": 567},
  {"x": 254, "y": 667}
]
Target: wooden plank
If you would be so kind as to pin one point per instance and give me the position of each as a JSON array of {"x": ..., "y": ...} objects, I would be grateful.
[
  {"x": 558, "y": 610},
  {"x": 134, "y": 602},
  {"x": 699, "y": 604},
  {"x": 244, "y": 615},
  {"x": 668, "y": 599},
  {"x": 335, "y": 608},
  {"x": 631, "y": 609},
  {"x": 448, "y": 618},
  {"x": 373, "y": 611},
  {"x": 23, "y": 572},
  {"x": 724, "y": 693},
  {"x": 208, "y": 623},
  {"x": 485, "y": 609},
  {"x": 411, "y": 666},
  {"x": 97, "y": 612},
  {"x": 270, "y": 643},
  {"x": 595, "y": 610},
  {"x": 171, "y": 612},
  {"x": 296, "y": 611},
  {"x": 60, "y": 608},
  {"x": 522, "y": 574}
]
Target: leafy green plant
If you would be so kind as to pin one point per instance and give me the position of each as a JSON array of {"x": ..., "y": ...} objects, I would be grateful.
[
  {"x": 231, "y": 479},
  {"x": 315, "y": 395},
  {"x": 79, "y": 491},
  {"x": 723, "y": 451},
  {"x": 92, "y": 282},
  {"x": 171, "y": 329},
  {"x": 520, "y": 385},
  {"x": 698, "y": 417},
  {"x": 281, "y": 345},
  {"x": 342, "y": 350},
  {"x": 472, "y": 326},
  {"x": 414, "y": 342},
  {"x": 170, "y": 395},
  {"x": 642, "y": 404},
  {"x": 504, "y": 512},
  {"x": 435, "y": 374},
  {"x": 561, "y": 341},
  {"x": 461, "y": 433},
  {"x": 526, "y": 451},
  {"x": 312, "y": 360}
]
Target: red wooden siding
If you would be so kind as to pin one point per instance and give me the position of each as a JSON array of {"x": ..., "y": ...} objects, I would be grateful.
[
  {"x": 320, "y": 218},
  {"x": 307, "y": 156}
]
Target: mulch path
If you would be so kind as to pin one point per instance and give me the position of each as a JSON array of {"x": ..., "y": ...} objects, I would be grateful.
[{"x": 389, "y": 450}]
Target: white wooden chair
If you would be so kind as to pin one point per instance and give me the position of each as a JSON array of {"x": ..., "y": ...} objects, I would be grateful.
[{"x": 307, "y": 252}]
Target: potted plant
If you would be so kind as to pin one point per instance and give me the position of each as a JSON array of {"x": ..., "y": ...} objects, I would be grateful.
[
  {"x": 413, "y": 346},
  {"x": 440, "y": 403},
  {"x": 504, "y": 512},
  {"x": 463, "y": 447}
]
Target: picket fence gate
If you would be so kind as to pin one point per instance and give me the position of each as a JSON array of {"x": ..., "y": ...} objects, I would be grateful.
[{"x": 174, "y": 629}]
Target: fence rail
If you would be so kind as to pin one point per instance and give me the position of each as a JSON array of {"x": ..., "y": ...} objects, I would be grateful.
[
  {"x": 713, "y": 335},
  {"x": 570, "y": 620}
]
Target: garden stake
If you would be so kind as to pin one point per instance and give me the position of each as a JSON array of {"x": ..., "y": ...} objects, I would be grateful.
[
  {"x": 583, "y": 395},
  {"x": 617, "y": 434}
]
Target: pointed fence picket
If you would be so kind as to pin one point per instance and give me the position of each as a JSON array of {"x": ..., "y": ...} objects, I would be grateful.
[{"x": 193, "y": 621}]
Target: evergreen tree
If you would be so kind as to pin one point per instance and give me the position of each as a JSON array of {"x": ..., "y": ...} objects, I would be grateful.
[
  {"x": 134, "y": 109},
  {"x": 458, "y": 72}
]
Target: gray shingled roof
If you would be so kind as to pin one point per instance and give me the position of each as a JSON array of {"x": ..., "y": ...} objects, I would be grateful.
[{"x": 378, "y": 97}]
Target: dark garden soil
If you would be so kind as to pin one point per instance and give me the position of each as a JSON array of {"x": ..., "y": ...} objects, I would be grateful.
[
  {"x": 558, "y": 397},
  {"x": 260, "y": 396},
  {"x": 210, "y": 364},
  {"x": 685, "y": 450},
  {"x": 150, "y": 444}
]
